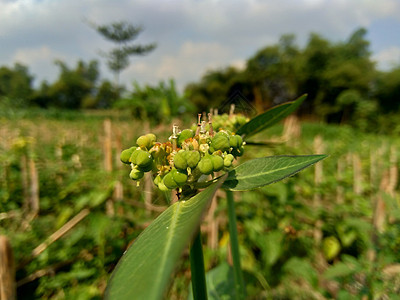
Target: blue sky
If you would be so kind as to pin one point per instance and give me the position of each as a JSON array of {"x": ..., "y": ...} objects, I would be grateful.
[{"x": 192, "y": 35}]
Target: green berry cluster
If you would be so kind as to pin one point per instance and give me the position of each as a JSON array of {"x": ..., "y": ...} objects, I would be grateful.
[{"x": 185, "y": 157}]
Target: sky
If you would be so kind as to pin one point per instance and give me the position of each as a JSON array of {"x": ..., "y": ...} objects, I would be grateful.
[{"x": 192, "y": 36}]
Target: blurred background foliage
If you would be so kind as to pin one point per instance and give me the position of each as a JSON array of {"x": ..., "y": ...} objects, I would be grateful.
[{"x": 330, "y": 232}]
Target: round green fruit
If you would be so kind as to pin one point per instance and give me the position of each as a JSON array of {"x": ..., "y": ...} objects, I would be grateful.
[
  {"x": 143, "y": 141},
  {"x": 126, "y": 155},
  {"x": 192, "y": 158},
  {"x": 136, "y": 174},
  {"x": 235, "y": 141},
  {"x": 179, "y": 177},
  {"x": 152, "y": 139},
  {"x": 220, "y": 142},
  {"x": 162, "y": 186},
  {"x": 218, "y": 162},
  {"x": 142, "y": 158},
  {"x": 169, "y": 181},
  {"x": 157, "y": 180},
  {"x": 205, "y": 165},
  {"x": 180, "y": 161}
]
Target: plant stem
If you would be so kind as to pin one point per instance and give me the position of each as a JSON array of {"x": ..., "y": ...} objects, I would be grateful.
[
  {"x": 199, "y": 287},
  {"x": 233, "y": 234}
]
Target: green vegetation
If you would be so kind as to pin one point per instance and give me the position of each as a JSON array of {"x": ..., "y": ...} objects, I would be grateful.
[{"x": 308, "y": 237}]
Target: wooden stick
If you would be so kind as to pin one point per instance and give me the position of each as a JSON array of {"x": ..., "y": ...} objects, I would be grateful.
[
  {"x": 7, "y": 270},
  {"x": 357, "y": 174},
  {"x": 107, "y": 145},
  {"x": 34, "y": 188},
  {"x": 60, "y": 232}
]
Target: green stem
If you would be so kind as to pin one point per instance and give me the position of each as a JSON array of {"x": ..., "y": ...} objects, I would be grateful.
[
  {"x": 233, "y": 234},
  {"x": 199, "y": 287}
]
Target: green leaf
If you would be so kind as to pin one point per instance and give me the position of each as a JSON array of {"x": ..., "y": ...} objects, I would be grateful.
[
  {"x": 338, "y": 270},
  {"x": 145, "y": 269},
  {"x": 270, "y": 117},
  {"x": 258, "y": 172},
  {"x": 220, "y": 283},
  {"x": 272, "y": 247}
]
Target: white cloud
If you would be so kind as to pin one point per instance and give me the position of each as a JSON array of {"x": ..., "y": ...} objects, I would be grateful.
[
  {"x": 192, "y": 36},
  {"x": 41, "y": 54},
  {"x": 388, "y": 58}
]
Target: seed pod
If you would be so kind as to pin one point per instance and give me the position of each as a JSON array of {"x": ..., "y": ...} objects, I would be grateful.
[
  {"x": 134, "y": 156},
  {"x": 180, "y": 161},
  {"x": 227, "y": 162},
  {"x": 205, "y": 165},
  {"x": 143, "y": 159},
  {"x": 152, "y": 139},
  {"x": 136, "y": 174},
  {"x": 233, "y": 141},
  {"x": 143, "y": 141},
  {"x": 184, "y": 135},
  {"x": 220, "y": 142},
  {"x": 228, "y": 159},
  {"x": 146, "y": 168},
  {"x": 157, "y": 180},
  {"x": 126, "y": 155},
  {"x": 179, "y": 177},
  {"x": 192, "y": 158},
  {"x": 218, "y": 162},
  {"x": 169, "y": 181},
  {"x": 162, "y": 186}
]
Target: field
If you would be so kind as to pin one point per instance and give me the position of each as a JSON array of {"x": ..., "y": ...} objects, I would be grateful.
[{"x": 70, "y": 210}]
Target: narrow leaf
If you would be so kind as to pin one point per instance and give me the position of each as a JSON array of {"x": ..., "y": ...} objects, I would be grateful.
[
  {"x": 145, "y": 269},
  {"x": 220, "y": 283},
  {"x": 270, "y": 117},
  {"x": 258, "y": 172}
]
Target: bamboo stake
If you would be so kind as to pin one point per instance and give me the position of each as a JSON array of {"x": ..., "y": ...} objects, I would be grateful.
[
  {"x": 318, "y": 168},
  {"x": 107, "y": 145},
  {"x": 34, "y": 188},
  {"x": 25, "y": 183},
  {"x": 7, "y": 270},
  {"x": 60, "y": 232},
  {"x": 357, "y": 174}
]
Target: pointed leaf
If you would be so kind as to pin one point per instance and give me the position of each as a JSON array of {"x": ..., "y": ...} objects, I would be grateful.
[
  {"x": 145, "y": 269},
  {"x": 258, "y": 172},
  {"x": 220, "y": 283},
  {"x": 270, "y": 117}
]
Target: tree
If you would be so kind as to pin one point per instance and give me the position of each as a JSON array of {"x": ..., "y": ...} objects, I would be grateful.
[
  {"x": 16, "y": 83},
  {"x": 121, "y": 33},
  {"x": 74, "y": 85}
]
